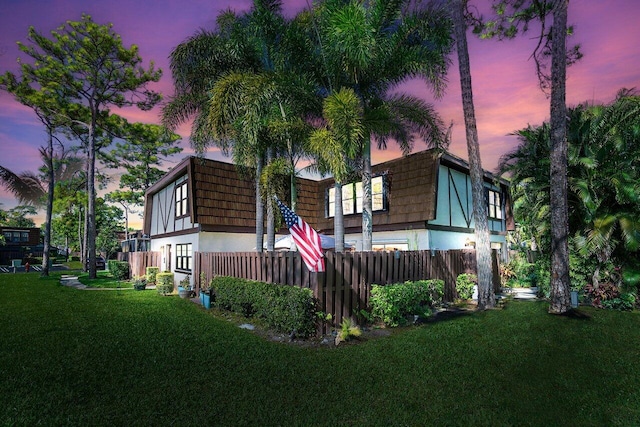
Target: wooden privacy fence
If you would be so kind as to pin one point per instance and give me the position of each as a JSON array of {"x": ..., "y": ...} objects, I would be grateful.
[
  {"x": 343, "y": 289},
  {"x": 139, "y": 261}
]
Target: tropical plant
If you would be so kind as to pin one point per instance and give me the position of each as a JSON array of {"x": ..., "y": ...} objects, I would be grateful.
[
  {"x": 348, "y": 330},
  {"x": 603, "y": 182},
  {"x": 372, "y": 47}
]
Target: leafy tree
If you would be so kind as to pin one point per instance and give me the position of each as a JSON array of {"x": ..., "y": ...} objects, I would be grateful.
[
  {"x": 486, "y": 296},
  {"x": 109, "y": 219},
  {"x": 45, "y": 103},
  {"x": 141, "y": 154},
  {"x": 17, "y": 217},
  {"x": 371, "y": 47},
  {"x": 88, "y": 64},
  {"x": 143, "y": 150}
]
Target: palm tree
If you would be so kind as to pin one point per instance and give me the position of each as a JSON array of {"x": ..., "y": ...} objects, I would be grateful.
[
  {"x": 372, "y": 47},
  {"x": 237, "y": 82},
  {"x": 336, "y": 144}
]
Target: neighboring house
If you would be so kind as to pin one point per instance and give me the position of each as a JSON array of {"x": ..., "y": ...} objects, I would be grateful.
[
  {"x": 421, "y": 201},
  {"x": 19, "y": 242}
]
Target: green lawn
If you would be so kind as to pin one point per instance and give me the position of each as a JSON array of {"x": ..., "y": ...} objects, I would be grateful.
[
  {"x": 104, "y": 279},
  {"x": 71, "y": 357}
]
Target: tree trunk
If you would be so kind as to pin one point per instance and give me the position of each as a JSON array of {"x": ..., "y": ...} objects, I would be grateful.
[
  {"x": 259, "y": 207},
  {"x": 91, "y": 206},
  {"x": 367, "y": 208},
  {"x": 51, "y": 186},
  {"x": 560, "y": 296},
  {"x": 271, "y": 223},
  {"x": 338, "y": 218},
  {"x": 486, "y": 296}
]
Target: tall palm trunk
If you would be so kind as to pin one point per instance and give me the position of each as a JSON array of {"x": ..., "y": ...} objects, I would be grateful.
[
  {"x": 367, "y": 207},
  {"x": 338, "y": 218},
  {"x": 560, "y": 297},
  {"x": 259, "y": 207},
  {"x": 486, "y": 296},
  {"x": 271, "y": 226}
]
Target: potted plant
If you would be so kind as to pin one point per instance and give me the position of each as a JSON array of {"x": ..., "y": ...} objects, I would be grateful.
[
  {"x": 205, "y": 291},
  {"x": 139, "y": 283},
  {"x": 184, "y": 288}
]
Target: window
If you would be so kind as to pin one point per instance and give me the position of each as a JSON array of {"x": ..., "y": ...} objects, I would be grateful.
[
  {"x": 16, "y": 236},
  {"x": 182, "y": 205},
  {"x": 183, "y": 257},
  {"x": 495, "y": 205},
  {"x": 352, "y": 197}
]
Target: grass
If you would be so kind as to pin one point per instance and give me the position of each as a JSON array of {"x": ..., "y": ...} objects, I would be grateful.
[
  {"x": 71, "y": 357},
  {"x": 104, "y": 279}
]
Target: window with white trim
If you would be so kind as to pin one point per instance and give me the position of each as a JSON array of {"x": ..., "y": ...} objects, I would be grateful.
[
  {"x": 183, "y": 257},
  {"x": 495, "y": 204},
  {"x": 352, "y": 197},
  {"x": 182, "y": 199}
]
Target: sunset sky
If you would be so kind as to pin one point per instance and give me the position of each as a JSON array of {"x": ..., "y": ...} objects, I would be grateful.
[{"x": 506, "y": 92}]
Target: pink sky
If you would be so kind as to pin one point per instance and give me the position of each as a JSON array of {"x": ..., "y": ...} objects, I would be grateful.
[{"x": 506, "y": 92}]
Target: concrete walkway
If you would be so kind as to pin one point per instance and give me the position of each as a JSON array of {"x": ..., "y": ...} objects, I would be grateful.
[
  {"x": 73, "y": 282},
  {"x": 530, "y": 294}
]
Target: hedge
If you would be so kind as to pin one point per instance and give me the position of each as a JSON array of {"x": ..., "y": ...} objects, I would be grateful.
[
  {"x": 164, "y": 283},
  {"x": 393, "y": 303},
  {"x": 119, "y": 269},
  {"x": 286, "y": 309},
  {"x": 152, "y": 272}
]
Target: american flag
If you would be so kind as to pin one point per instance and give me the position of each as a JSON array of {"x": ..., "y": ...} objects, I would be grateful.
[{"x": 306, "y": 239}]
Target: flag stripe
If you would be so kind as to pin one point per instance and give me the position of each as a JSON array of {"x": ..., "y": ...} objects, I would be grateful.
[{"x": 305, "y": 237}]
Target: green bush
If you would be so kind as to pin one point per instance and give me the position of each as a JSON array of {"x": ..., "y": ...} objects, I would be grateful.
[
  {"x": 119, "y": 269},
  {"x": 164, "y": 283},
  {"x": 152, "y": 273},
  {"x": 287, "y": 309},
  {"x": 392, "y": 303},
  {"x": 464, "y": 285}
]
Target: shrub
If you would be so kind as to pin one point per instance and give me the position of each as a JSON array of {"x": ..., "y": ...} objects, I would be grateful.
[
  {"x": 393, "y": 303},
  {"x": 608, "y": 295},
  {"x": 164, "y": 283},
  {"x": 464, "y": 285},
  {"x": 347, "y": 330},
  {"x": 139, "y": 283},
  {"x": 287, "y": 309},
  {"x": 119, "y": 269},
  {"x": 151, "y": 274}
]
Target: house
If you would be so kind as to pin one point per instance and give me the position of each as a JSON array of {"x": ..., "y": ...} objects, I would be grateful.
[
  {"x": 421, "y": 201},
  {"x": 19, "y": 242}
]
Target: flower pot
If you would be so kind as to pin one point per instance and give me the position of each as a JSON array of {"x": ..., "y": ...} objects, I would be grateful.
[
  {"x": 184, "y": 293},
  {"x": 574, "y": 299},
  {"x": 205, "y": 300}
]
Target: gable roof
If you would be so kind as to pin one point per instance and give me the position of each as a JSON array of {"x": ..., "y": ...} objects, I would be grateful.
[{"x": 223, "y": 199}]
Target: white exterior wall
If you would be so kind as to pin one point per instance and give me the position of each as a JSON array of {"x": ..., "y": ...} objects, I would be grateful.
[
  {"x": 227, "y": 242},
  {"x": 167, "y": 247},
  {"x": 163, "y": 212}
]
